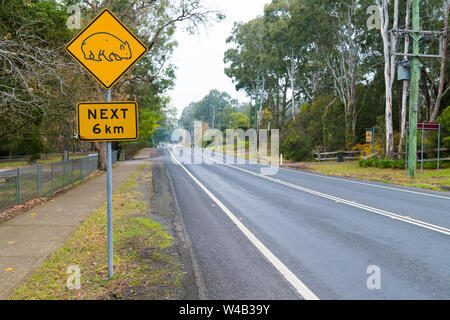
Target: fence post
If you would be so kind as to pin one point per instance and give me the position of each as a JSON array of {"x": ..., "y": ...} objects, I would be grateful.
[
  {"x": 72, "y": 170},
  {"x": 53, "y": 178},
  {"x": 81, "y": 168},
  {"x": 406, "y": 151},
  {"x": 39, "y": 181},
  {"x": 439, "y": 149},
  {"x": 64, "y": 173},
  {"x": 19, "y": 195},
  {"x": 421, "y": 166}
]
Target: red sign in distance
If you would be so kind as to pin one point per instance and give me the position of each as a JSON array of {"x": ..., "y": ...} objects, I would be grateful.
[{"x": 428, "y": 126}]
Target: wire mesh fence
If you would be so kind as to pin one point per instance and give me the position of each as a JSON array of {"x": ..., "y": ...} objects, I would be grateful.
[{"x": 20, "y": 185}]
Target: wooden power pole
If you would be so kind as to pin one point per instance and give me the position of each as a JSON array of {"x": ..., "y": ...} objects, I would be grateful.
[
  {"x": 414, "y": 98},
  {"x": 415, "y": 33}
]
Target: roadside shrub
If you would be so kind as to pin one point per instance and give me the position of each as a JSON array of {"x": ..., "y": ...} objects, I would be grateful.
[
  {"x": 34, "y": 157},
  {"x": 363, "y": 163},
  {"x": 382, "y": 163},
  {"x": 374, "y": 163},
  {"x": 297, "y": 146},
  {"x": 444, "y": 119},
  {"x": 206, "y": 143},
  {"x": 367, "y": 149},
  {"x": 400, "y": 164},
  {"x": 385, "y": 163},
  {"x": 433, "y": 165}
]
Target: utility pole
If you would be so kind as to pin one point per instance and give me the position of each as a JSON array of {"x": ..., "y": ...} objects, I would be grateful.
[
  {"x": 414, "y": 99},
  {"x": 416, "y": 34}
]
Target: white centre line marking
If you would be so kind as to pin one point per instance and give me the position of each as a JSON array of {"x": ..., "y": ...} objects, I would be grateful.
[
  {"x": 298, "y": 285},
  {"x": 394, "y": 216},
  {"x": 368, "y": 184},
  {"x": 352, "y": 181}
]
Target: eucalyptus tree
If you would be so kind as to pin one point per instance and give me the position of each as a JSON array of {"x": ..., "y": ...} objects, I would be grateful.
[
  {"x": 247, "y": 60},
  {"x": 214, "y": 110},
  {"x": 286, "y": 51},
  {"x": 31, "y": 65},
  {"x": 389, "y": 46},
  {"x": 337, "y": 37}
]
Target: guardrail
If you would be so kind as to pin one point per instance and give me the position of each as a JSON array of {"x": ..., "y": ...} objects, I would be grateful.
[
  {"x": 322, "y": 156},
  {"x": 20, "y": 185}
]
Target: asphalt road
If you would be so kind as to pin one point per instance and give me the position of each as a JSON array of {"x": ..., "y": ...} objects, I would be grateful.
[{"x": 296, "y": 235}]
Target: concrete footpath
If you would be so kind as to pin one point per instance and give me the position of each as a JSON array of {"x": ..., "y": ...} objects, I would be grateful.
[{"x": 28, "y": 239}]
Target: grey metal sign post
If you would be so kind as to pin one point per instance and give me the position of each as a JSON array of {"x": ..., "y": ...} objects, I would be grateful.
[
  {"x": 421, "y": 165},
  {"x": 439, "y": 149},
  {"x": 109, "y": 199},
  {"x": 426, "y": 126},
  {"x": 406, "y": 149},
  {"x": 106, "y": 20}
]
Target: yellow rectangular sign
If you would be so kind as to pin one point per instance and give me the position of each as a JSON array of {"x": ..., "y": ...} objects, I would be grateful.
[
  {"x": 369, "y": 136},
  {"x": 107, "y": 121}
]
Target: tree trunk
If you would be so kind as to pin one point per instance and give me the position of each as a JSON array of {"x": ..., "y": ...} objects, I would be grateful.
[
  {"x": 389, "y": 70},
  {"x": 354, "y": 122},
  {"x": 291, "y": 72},
  {"x": 101, "y": 149},
  {"x": 437, "y": 105},
  {"x": 405, "y": 85},
  {"x": 284, "y": 106},
  {"x": 261, "y": 104}
]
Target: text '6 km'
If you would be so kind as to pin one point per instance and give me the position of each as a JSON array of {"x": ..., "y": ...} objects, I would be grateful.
[{"x": 107, "y": 121}]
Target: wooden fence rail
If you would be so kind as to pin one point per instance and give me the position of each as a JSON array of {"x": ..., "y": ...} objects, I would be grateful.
[{"x": 319, "y": 155}]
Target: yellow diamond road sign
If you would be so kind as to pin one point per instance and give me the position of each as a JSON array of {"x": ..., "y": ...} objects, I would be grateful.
[
  {"x": 106, "y": 48},
  {"x": 107, "y": 121}
]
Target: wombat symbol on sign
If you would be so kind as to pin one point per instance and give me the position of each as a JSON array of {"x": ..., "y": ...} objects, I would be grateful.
[{"x": 104, "y": 45}]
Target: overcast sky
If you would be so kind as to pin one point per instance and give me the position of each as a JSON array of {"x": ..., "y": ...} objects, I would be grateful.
[{"x": 199, "y": 58}]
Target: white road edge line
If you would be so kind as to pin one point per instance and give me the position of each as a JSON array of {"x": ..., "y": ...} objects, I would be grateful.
[
  {"x": 368, "y": 184},
  {"x": 394, "y": 216},
  {"x": 298, "y": 285}
]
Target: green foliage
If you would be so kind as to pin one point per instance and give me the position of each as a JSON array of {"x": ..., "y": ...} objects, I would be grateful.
[
  {"x": 218, "y": 110},
  {"x": 318, "y": 124},
  {"x": 308, "y": 47},
  {"x": 397, "y": 164},
  {"x": 40, "y": 84},
  {"x": 296, "y": 146},
  {"x": 32, "y": 34},
  {"x": 234, "y": 120},
  {"x": 34, "y": 157},
  {"x": 382, "y": 163},
  {"x": 206, "y": 143},
  {"x": 444, "y": 119},
  {"x": 31, "y": 146}
]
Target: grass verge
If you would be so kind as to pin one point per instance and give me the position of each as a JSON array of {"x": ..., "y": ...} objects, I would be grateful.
[
  {"x": 15, "y": 164},
  {"x": 429, "y": 180},
  {"x": 143, "y": 265}
]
